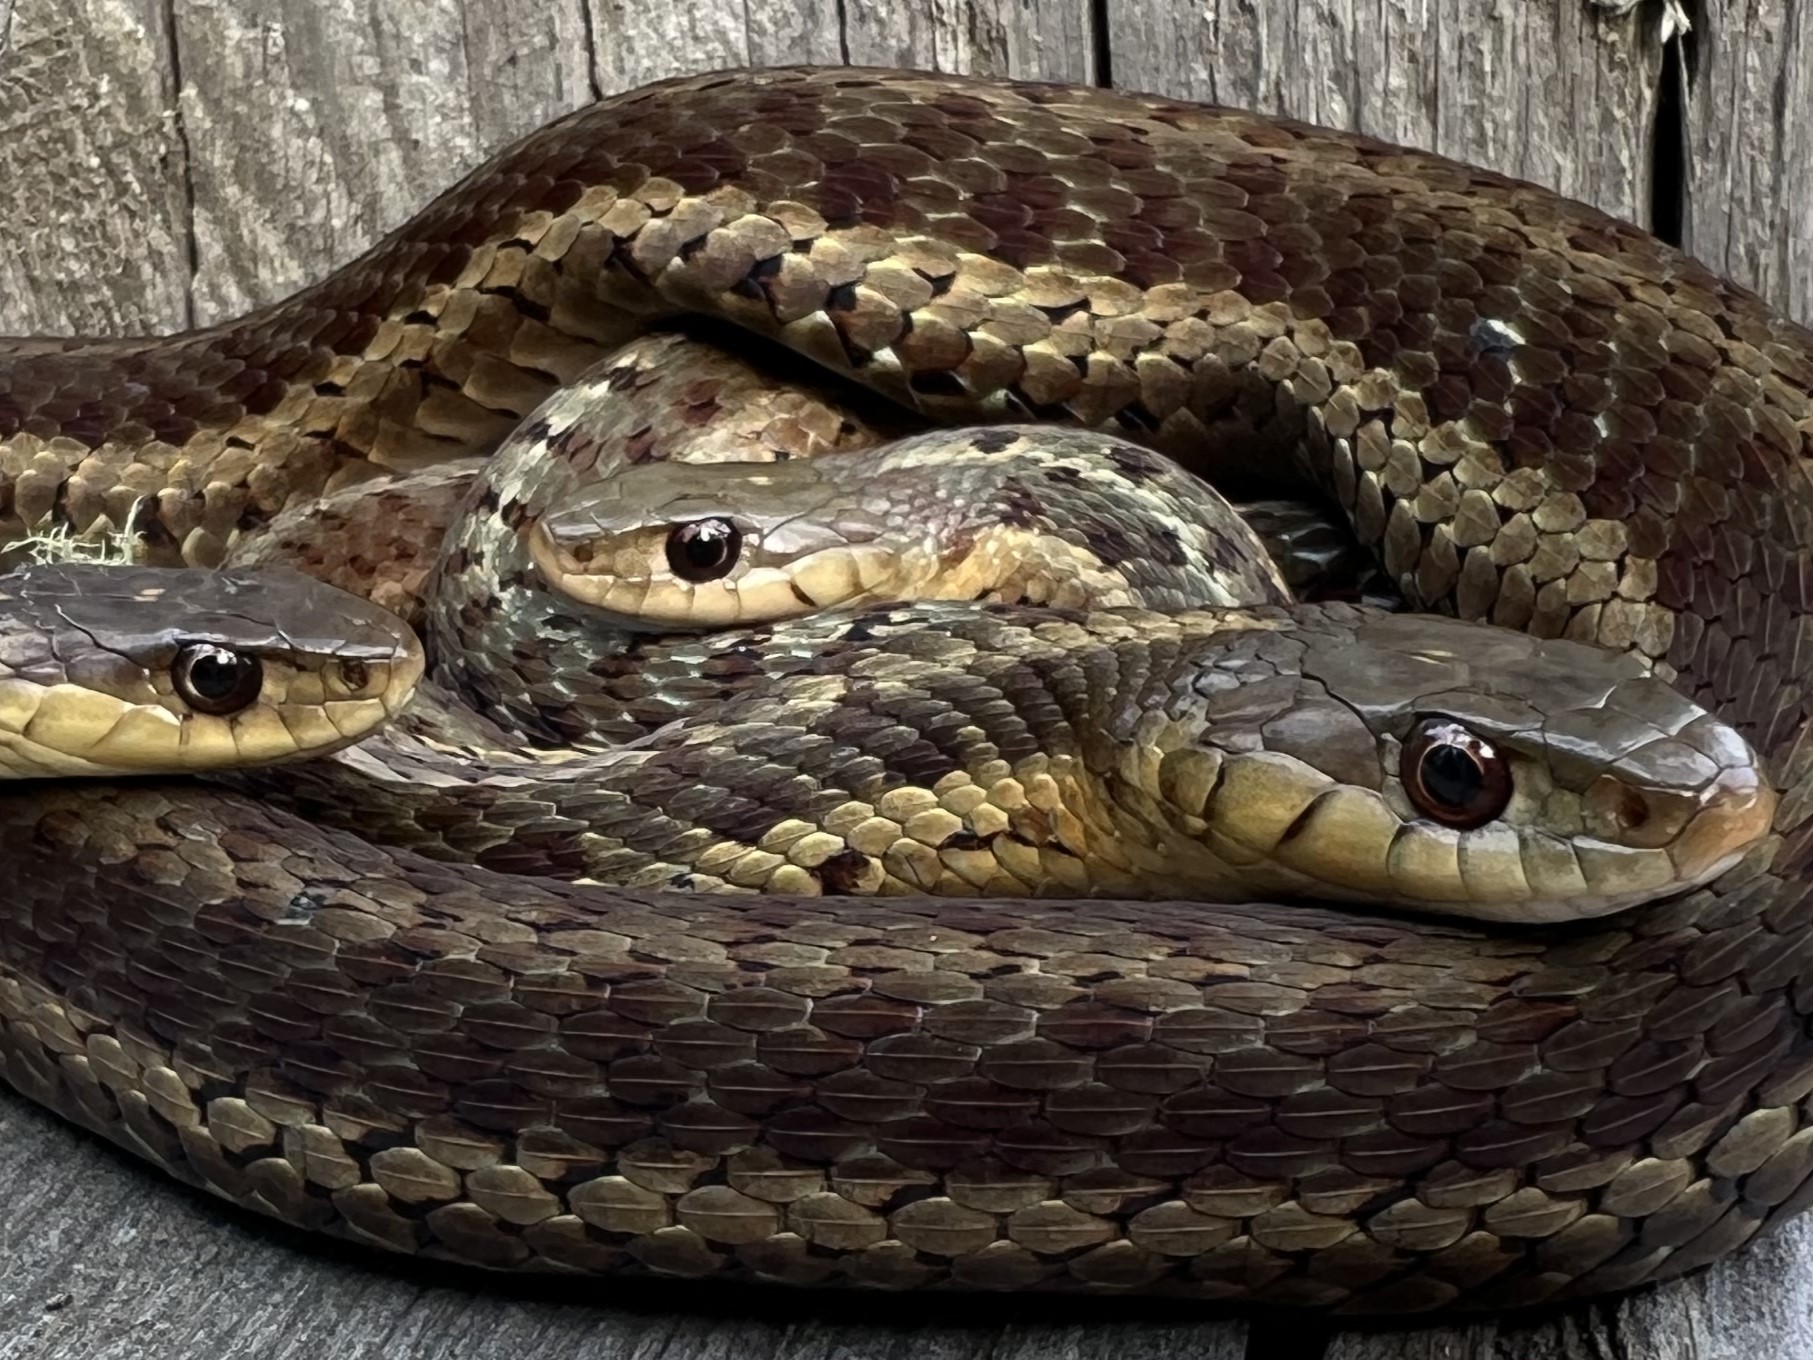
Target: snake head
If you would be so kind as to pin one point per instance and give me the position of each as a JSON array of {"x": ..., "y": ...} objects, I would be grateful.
[
  {"x": 1437, "y": 765},
  {"x": 128, "y": 670},
  {"x": 677, "y": 546},
  {"x": 1016, "y": 514}
]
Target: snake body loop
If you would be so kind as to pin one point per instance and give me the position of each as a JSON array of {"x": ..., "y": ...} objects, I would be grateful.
[{"x": 1534, "y": 414}]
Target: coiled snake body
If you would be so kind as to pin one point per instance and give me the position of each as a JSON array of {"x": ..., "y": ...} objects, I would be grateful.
[{"x": 1536, "y": 414}]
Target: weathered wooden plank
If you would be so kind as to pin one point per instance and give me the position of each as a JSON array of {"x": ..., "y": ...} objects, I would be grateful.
[
  {"x": 1035, "y": 39},
  {"x": 91, "y": 188},
  {"x": 308, "y": 131},
  {"x": 1749, "y": 206},
  {"x": 1757, "y": 1306},
  {"x": 1548, "y": 90},
  {"x": 637, "y": 43},
  {"x": 312, "y": 129}
]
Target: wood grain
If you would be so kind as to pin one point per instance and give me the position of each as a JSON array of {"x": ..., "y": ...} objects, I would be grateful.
[
  {"x": 86, "y": 100},
  {"x": 172, "y": 162},
  {"x": 1749, "y": 210},
  {"x": 1547, "y": 90}
]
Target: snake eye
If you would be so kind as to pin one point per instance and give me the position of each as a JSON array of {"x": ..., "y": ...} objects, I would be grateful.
[
  {"x": 704, "y": 549},
  {"x": 215, "y": 680},
  {"x": 1453, "y": 776}
]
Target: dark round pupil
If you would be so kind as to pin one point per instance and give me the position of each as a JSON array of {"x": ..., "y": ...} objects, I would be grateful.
[
  {"x": 1452, "y": 776},
  {"x": 703, "y": 548},
  {"x": 215, "y": 674}
]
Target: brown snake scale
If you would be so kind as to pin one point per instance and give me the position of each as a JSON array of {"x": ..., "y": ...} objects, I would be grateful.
[{"x": 1537, "y": 414}]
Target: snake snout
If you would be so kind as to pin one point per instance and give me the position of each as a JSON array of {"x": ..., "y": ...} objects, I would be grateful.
[
  {"x": 1703, "y": 826},
  {"x": 1736, "y": 812},
  {"x": 1669, "y": 795},
  {"x": 1671, "y": 775}
]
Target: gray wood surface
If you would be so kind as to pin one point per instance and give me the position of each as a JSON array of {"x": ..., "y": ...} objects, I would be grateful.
[
  {"x": 171, "y": 162},
  {"x": 1750, "y": 146}
]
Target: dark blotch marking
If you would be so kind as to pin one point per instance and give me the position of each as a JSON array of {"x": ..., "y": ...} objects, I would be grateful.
[
  {"x": 1137, "y": 417},
  {"x": 1108, "y": 542},
  {"x": 860, "y": 630},
  {"x": 755, "y": 283},
  {"x": 1167, "y": 547},
  {"x": 262, "y": 398},
  {"x": 1056, "y": 412},
  {"x": 964, "y": 840},
  {"x": 1020, "y": 504},
  {"x": 148, "y": 519},
  {"x": 544, "y": 854},
  {"x": 621, "y": 258},
  {"x": 994, "y": 441},
  {"x": 1136, "y": 464},
  {"x": 937, "y": 383},
  {"x": 842, "y": 874}
]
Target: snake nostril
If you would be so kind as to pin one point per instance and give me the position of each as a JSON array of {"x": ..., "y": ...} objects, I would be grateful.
[
  {"x": 1633, "y": 815},
  {"x": 1631, "y": 809}
]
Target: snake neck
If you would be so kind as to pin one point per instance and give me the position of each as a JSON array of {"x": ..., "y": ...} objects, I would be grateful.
[
  {"x": 830, "y": 761},
  {"x": 497, "y": 630}
]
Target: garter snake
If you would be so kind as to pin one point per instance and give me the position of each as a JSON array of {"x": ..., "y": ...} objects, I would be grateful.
[{"x": 1535, "y": 414}]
